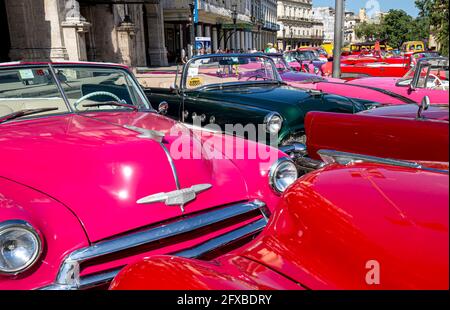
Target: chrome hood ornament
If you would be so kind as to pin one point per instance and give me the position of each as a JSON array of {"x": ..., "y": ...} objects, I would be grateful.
[
  {"x": 158, "y": 136},
  {"x": 179, "y": 197}
]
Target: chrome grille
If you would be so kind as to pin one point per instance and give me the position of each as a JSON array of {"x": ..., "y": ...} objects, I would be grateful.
[{"x": 69, "y": 272}]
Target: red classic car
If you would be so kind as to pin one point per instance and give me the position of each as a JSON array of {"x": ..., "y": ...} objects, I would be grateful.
[
  {"x": 405, "y": 132},
  {"x": 361, "y": 67},
  {"x": 429, "y": 77},
  {"x": 371, "y": 230},
  {"x": 93, "y": 178}
]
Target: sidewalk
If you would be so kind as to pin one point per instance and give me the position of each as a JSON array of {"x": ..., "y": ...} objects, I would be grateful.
[{"x": 157, "y": 77}]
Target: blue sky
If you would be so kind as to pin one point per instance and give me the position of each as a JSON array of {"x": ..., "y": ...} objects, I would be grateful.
[{"x": 385, "y": 5}]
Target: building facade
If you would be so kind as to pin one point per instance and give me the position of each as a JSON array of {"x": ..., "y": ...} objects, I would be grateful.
[
  {"x": 298, "y": 27},
  {"x": 139, "y": 33},
  {"x": 351, "y": 22},
  {"x": 130, "y": 33},
  {"x": 237, "y": 25},
  {"x": 326, "y": 15}
]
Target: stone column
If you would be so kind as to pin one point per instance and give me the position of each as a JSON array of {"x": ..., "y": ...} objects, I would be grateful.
[
  {"x": 208, "y": 34},
  {"x": 75, "y": 27},
  {"x": 199, "y": 31},
  {"x": 180, "y": 29},
  {"x": 34, "y": 30},
  {"x": 214, "y": 39},
  {"x": 125, "y": 38},
  {"x": 246, "y": 41},
  {"x": 157, "y": 44},
  {"x": 238, "y": 40},
  {"x": 242, "y": 38},
  {"x": 223, "y": 36}
]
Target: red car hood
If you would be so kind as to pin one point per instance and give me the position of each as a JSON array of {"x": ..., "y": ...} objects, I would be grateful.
[
  {"x": 434, "y": 112},
  {"x": 328, "y": 237},
  {"x": 99, "y": 169}
]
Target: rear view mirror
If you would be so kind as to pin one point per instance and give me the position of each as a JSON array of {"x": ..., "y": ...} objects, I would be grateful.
[
  {"x": 173, "y": 87},
  {"x": 163, "y": 108},
  {"x": 424, "y": 105}
]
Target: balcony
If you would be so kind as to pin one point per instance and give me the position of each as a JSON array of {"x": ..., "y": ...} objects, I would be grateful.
[
  {"x": 302, "y": 37},
  {"x": 271, "y": 26},
  {"x": 294, "y": 18}
]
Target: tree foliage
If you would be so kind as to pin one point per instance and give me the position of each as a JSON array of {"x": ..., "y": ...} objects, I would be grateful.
[
  {"x": 395, "y": 27},
  {"x": 435, "y": 12}
]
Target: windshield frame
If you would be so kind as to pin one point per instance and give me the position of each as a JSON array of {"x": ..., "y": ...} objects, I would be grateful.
[
  {"x": 187, "y": 65},
  {"x": 52, "y": 67},
  {"x": 280, "y": 58},
  {"x": 427, "y": 62}
]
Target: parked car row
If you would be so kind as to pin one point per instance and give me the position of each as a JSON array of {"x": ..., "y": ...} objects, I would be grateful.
[{"x": 236, "y": 180}]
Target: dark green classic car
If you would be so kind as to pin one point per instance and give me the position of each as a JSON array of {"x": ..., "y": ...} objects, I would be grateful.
[{"x": 230, "y": 89}]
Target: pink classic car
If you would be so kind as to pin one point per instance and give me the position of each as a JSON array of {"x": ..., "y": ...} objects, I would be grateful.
[
  {"x": 92, "y": 179},
  {"x": 429, "y": 77}
]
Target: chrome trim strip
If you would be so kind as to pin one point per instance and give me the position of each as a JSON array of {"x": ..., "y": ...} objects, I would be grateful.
[
  {"x": 344, "y": 158},
  {"x": 68, "y": 276},
  {"x": 225, "y": 239},
  {"x": 155, "y": 135},
  {"x": 98, "y": 279},
  {"x": 60, "y": 88},
  {"x": 172, "y": 165},
  {"x": 195, "y": 252}
]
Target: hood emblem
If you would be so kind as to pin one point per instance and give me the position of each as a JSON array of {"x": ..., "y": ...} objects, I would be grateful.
[
  {"x": 178, "y": 197},
  {"x": 158, "y": 136}
]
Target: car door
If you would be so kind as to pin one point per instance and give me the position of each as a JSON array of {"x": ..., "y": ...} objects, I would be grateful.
[{"x": 235, "y": 117}]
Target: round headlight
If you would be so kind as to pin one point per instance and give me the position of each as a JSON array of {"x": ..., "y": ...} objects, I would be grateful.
[
  {"x": 273, "y": 122},
  {"x": 20, "y": 246},
  {"x": 282, "y": 174}
]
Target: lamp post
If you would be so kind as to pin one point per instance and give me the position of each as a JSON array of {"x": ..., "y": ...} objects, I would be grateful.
[
  {"x": 234, "y": 17},
  {"x": 284, "y": 38},
  {"x": 339, "y": 17},
  {"x": 192, "y": 8}
]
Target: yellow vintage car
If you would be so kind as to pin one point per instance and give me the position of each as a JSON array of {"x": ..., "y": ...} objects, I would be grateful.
[
  {"x": 328, "y": 47},
  {"x": 413, "y": 46}
]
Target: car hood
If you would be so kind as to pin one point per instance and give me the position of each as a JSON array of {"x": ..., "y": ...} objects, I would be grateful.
[
  {"x": 325, "y": 236},
  {"x": 99, "y": 169},
  {"x": 267, "y": 96},
  {"x": 375, "y": 81},
  {"x": 434, "y": 112},
  {"x": 299, "y": 76}
]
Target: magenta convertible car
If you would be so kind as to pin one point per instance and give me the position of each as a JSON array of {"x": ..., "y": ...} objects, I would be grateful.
[
  {"x": 429, "y": 77},
  {"x": 93, "y": 178}
]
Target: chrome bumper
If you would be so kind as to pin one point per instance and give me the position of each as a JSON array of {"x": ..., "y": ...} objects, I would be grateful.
[
  {"x": 299, "y": 154},
  {"x": 69, "y": 278}
]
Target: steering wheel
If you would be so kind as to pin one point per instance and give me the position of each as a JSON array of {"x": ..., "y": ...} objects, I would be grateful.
[
  {"x": 437, "y": 82},
  {"x": 93, "y": 94}
]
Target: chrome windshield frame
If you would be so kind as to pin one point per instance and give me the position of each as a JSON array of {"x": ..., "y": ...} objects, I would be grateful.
[{"x": 277, "y": 77}]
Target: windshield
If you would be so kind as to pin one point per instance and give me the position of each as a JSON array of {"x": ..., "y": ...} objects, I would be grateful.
[
  {"x": 281, "y": 65},
  {"x": 306, "y": 55},
  {"x": 34, "y": 87},
  {"x": 432, "y": 74},
  {"x": 407, "y": 78},
  {"x": 221, "y": 70}
]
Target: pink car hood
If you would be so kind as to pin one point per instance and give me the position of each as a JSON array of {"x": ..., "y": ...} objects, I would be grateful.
[
  {"x": 99, "y": 169},
  {"x": 380, "y": 82}
]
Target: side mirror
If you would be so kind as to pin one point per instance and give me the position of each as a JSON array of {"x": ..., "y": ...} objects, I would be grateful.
[
  {"x": 163, "y": 108},
  {"x": 173, "y": 87},
  {"x": 424, "y": 105}
]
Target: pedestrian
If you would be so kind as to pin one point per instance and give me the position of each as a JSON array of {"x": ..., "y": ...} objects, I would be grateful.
[{"x": 184, "y": 57}]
